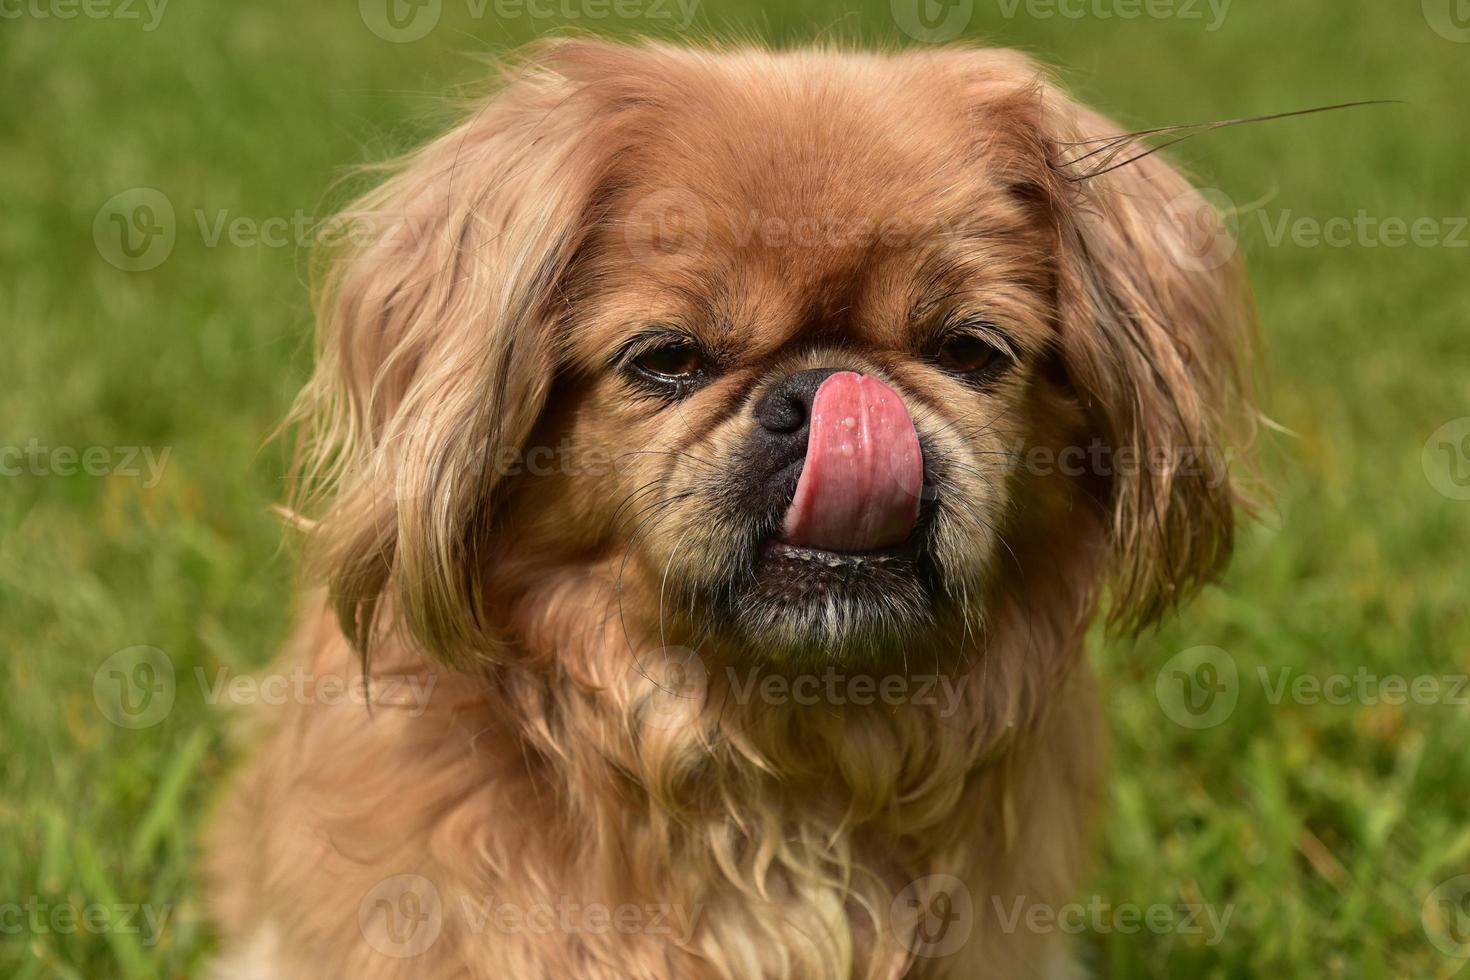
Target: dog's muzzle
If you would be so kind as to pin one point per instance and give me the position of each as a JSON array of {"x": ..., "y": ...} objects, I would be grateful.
[{"x": 862, "y": 469}]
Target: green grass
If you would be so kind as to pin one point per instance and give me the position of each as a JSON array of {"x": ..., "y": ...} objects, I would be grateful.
[{"x": 1322, "y": 828}]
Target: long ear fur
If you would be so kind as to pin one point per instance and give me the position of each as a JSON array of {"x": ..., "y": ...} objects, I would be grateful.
[
  {"x": 1161, "y": 368},
  {"x": 435, "y": 355},
  {"x": 1156, "y": 327},
  {"x": 1160, "y": 327}
]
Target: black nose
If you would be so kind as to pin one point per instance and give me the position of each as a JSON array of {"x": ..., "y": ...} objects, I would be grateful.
[{"x": 784, "y": 411}]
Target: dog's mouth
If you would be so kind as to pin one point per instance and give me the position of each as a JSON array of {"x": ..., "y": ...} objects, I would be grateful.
[
  {"x": 804, "y": 572},
  {"x": 842, "y": 582},
  {"x": 803, "y": 603},
  {"x": 856, "y": 561},
  {"x": 838, "y": 556},
  {"x": 816, "y": 573}
]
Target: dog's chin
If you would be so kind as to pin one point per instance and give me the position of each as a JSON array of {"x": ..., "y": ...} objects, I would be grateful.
[{"x": 801, "y": 605}]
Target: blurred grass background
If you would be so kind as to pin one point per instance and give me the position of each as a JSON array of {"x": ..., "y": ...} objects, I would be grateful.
[{"x": 1322, "y": 828}]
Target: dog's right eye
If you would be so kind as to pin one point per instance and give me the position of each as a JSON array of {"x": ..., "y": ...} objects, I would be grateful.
[{"x": 677, "y": 362}]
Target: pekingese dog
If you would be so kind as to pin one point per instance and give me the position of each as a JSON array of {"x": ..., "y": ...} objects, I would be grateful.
[{"x": 713, "y": 463}]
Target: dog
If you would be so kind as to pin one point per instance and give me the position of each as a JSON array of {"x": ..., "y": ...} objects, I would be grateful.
[{"x": 731, "y": 448}]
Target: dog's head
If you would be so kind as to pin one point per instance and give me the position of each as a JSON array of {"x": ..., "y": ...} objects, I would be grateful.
[{"x": 797, "y": 356}]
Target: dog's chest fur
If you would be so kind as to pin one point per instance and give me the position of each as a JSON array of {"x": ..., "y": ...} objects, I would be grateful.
[{"x": 753, "y": 850}]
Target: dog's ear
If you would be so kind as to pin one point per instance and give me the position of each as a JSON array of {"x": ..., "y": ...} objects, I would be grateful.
[
  {"x": 436, "y": 353},
  {"x": 1155, "y": 326}
]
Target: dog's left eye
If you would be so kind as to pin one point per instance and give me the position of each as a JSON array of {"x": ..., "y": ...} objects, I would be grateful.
[
  {"x": 969, "y": 355},
  {"x": 679, "y": 362}
]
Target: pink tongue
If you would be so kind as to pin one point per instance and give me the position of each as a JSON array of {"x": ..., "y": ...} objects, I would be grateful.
[{"x": 859, "y": 489}]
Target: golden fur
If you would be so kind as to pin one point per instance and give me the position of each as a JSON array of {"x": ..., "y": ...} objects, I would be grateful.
[{"x": 826, "y": 208}]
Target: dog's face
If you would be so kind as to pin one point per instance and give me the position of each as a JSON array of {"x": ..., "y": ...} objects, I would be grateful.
[
  {"x": 813, "y": 369},
  {"x": 769, "y": 343}
]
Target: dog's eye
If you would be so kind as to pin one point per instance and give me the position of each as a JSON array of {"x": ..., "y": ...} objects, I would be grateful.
[
  {"x": 678, "y": 361},
  {"x": 966, "y": 354}
]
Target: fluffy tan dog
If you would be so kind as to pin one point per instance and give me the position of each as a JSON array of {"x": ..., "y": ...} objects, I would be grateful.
[{"x": 715, "y": 459}]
